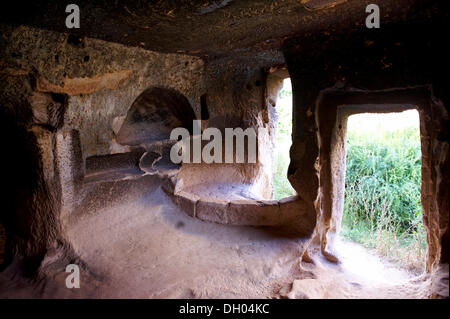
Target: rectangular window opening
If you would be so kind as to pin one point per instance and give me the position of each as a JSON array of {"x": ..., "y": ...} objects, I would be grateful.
[
  {"x": 283, "y": 139},
  {"x": 382, "y": 207}
]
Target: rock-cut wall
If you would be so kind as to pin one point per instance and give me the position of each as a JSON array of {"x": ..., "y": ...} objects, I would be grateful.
[
  {"x": 398, "y": 65},
  {"x": 63, "y": 100},
  {"x": 80, "y": 111}
]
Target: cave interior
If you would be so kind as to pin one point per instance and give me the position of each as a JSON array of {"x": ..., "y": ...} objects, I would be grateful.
[{"x": 86, "y": 116}]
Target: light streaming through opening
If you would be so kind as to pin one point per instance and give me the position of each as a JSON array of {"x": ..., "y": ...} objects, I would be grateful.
[
  {"x": 382, "y": 208},
  {"x": 283, "y": 140}
]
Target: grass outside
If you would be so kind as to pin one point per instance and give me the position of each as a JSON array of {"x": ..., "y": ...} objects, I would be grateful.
[
  {"x": 283, "y": 140},
  {"x": 382, "y": 207}
]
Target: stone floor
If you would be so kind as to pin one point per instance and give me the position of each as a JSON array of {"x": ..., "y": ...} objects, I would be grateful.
[{"x": 138, "y": 244}]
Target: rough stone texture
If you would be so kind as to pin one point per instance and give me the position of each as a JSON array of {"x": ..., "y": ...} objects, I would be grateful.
[
  {"x": 206, "y": 29},
  {"x": 153, "y": 115},
  {"x": 55, "y": 132},
  {"x": 68, "y": 105},
  {"x": 86, "y": 85},
  {"x": 333, "y": 109},
  {"x": 71, "y": 167},
  {"x": 85, "y": 117},
  {"x": 32, "y": 211},
  {"x": 235, "y": 97},
  {"x": 93, "y": 115},
  {"x": 157, "y": 159},
  {"x": 292, "y": 213},
  {"x": 409, "y": 56},
  {"x": 114, "y": 166}
]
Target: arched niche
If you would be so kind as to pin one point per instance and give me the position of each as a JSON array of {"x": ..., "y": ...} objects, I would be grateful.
[{"x": 153, "y": 115}]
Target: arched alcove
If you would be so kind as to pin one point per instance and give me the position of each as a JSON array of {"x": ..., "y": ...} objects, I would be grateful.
[
  {"x": 146, "y": 128},
  {"x": 153, "y": 115}
]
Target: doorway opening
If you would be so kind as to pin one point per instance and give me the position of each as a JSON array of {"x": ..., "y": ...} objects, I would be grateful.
[
  {"x": 283, "y": 139},
  {"x": 382, "y": 205}
]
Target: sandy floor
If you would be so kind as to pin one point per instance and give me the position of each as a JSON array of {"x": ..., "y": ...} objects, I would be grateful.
[
  {"x": 137, "y": 244},
  {"x": 224, "y": 191},
  {"x": 360, "y": 274}
]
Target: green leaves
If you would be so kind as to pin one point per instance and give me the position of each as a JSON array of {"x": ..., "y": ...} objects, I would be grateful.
[
  {"x": 382, "y": 197},
  {"x": 283, "y": 140},
  {"x": 385, "y": 167}
]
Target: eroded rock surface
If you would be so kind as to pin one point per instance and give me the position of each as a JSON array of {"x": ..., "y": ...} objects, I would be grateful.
[{"x": 86, "y": 117}]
